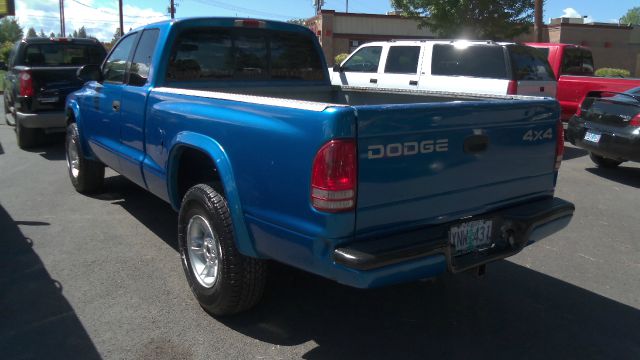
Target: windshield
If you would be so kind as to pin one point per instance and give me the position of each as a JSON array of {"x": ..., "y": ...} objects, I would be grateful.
[{"x": 63, "y": 55}]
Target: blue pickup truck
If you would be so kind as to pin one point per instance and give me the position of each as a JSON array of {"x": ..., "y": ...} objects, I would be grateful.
[{"x": 235, "y": 123}]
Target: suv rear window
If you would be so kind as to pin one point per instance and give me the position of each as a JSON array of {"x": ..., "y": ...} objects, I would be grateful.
[
  {"x": 62, "y": 54},
  {"x": 528, "y": 63},
  {"x": 243, "y": 54},
  {"x": 483, "y": 61}
]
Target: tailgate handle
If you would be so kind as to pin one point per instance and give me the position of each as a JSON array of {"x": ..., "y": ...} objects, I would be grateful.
[
  {"x": 541, "y": 88},
  {"x": 373, "y": 81},
  {"x": 413, "y": 82},
  {"x": 476, "y": 144}
]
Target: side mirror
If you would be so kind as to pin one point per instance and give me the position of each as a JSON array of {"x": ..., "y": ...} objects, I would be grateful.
[
  {"x": 337, "y": 68},
  {"x": 89, "y": 73},
  {"x": 3, "y": 66}
]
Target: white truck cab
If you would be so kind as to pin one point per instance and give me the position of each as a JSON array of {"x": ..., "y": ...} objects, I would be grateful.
[{"x": 484, "y": 67}]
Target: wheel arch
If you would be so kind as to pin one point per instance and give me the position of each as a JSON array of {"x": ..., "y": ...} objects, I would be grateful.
[{"x": 184, "y": 147}]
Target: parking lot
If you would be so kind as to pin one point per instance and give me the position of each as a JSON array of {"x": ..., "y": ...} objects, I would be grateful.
[{"x": 100, "y": 277}]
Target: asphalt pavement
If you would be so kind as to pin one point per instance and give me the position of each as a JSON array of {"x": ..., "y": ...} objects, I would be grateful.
[{"x": 100, "y": 277}]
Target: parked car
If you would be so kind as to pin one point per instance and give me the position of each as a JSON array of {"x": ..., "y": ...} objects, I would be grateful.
[
  {"x": 481, "y": 67},
  {"x": 264, "y": 159},
  {"x": 608, "y": 125},
  {"x": 41, "y": 73},
  {"x": 573, "y": 67}
]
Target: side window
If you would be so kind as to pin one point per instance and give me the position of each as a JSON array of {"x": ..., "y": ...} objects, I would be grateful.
[
  {"x": 139, "y": 71},
  {"x": 572, "y": 61},
  {"x": 364, "y": 60},
  {"x": 116, "y": 65},
  {"x": 402, "y": 60},
  {"x": 587, "y": 62},
  {"x": 482, "y": 61}
]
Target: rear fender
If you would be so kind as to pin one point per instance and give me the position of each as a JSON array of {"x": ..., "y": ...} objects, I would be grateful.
[{"x": 207, "y": 145}]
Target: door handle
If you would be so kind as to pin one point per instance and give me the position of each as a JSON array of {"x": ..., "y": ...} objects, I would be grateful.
[
  {"x": 541, "y": 88},
  {"x": 115, "y": 105},
  {"x": 413, "y": 82},
  {"x": 373, "y": 81}
]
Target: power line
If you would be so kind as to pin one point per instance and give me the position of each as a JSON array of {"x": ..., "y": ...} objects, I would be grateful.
[{"x": 241, "y": 9}]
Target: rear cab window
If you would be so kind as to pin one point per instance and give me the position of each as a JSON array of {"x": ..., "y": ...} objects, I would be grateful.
[
  {"x": 577, "y": 61},
  {"x": 62, "y": 54},
  {"x": 481, "y": 61},
  {"x": 529, "y": 64},
  {"x": 243, "y": 54}
]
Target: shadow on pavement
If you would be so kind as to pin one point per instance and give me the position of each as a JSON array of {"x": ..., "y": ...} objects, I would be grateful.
[
  {"x": 571, "y": 152},
  {"x": 151, "y": 211},
  {"x": 513, "y": 313},
  {"x": 629, "y": 176},
  {"x": 50, "y": 148},
  {"x": 36, "y": 321}
]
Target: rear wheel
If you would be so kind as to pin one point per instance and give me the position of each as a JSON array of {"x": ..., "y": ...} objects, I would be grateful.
[
  {"x": 604, "y": 162},
  {"x": 87, "y": 176},
  {"x": 223, "y": 280},
  {"x": 26, "y": 137}
]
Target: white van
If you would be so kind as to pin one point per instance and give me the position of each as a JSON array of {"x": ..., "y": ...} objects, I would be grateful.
[{"x": 484, "y": 67}]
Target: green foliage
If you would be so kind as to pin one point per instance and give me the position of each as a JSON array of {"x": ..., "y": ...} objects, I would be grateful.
[
  {"x": 82, "y": 33},
  {"x": 5, "y": 49},
  {"x": 2, "y": 80},
  {"x": 297, "y": 21},
  {"x": 116, "y": 36},
  {"x": 632, "y": 17},
  {"x": 485, "y": 19},
  {"x": 10, "y": 30},
  {"x": 31, "y": 33},
  {"x": 52, "y": 34},
  {"x": 42, "y": 34},
  {"x": 340, "y": 58},
  {"x": 611, "y": 72}
]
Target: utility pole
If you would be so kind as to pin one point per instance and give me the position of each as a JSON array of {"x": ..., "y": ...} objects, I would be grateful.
[
  {"x": 62, "y": 30},
  {"x": 318, "y": 4},
  {"x": 537, "y": 20},
  {"x": 172, "y": 9},
  {"x": 347, "y": 6},
  {"x": 121, "y": 25}
]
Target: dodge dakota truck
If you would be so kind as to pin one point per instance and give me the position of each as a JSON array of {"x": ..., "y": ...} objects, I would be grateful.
[
  {"x": 574, "y": 69},
  {"x": 235, "y": 123}
]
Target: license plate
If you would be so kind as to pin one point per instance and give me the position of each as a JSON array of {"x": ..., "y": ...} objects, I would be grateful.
[
  {"x": 589, "y": 136},
  {"x": 470, "y": 236}
]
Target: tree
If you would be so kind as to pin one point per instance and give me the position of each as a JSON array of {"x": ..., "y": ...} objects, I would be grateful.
[
  {"x": 82, "y": 32},
  {"x": 10, "y": 30},
  {"x": 32, "y": 33},
  {"x": 75, "y": 34},
  {"x": 116, "y": 36},
  {"x": 42, "y": 34},
  {"x": 488, "y": 19},
  {"x": 297, "y": 21},
  {"x": 632, "y": 17},
  {"x": 5, "y": 49},
  {"x": 52, "y": 35}
]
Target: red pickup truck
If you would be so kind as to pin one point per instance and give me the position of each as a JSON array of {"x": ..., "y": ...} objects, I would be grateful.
[{"x": 573, "y": 67}]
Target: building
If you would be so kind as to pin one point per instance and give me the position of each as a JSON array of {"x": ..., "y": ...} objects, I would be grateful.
[{"x": 613, "y": 45}]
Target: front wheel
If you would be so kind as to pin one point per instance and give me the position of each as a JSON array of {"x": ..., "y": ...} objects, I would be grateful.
[
  {"x": 223, "y": 281},
  {"x": 87, "y": 176},
  {"x": 604, "y": 162}
]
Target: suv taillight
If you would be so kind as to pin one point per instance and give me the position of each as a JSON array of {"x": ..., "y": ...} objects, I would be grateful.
[
  {"x": 635, "y": 121},
  {"x": 559, "y": 145},
  {"x": 512, "y": 88},
  {"x": 26, "y": 83},
  {"x": 334, "y": 176}
]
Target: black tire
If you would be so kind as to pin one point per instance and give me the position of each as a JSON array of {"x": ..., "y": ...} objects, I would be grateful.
[
  {"x": 239, "y": 280},
  {"x": 26, "y": 137},
  {"x": 604, "y": 162},
  {"x": 89, "y": 177}
]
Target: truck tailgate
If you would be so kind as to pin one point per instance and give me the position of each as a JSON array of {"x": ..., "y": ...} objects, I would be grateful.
[
  {"x": 424, "y": 164},
  {"x": 52, "y": 85}
]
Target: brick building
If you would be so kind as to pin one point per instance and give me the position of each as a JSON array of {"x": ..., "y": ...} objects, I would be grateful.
[{"x": 613, "y": 45}]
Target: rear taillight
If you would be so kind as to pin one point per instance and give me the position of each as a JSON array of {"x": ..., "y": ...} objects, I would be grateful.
[
  {"x": 635, "y": 121},
  {"x": 579, "y": 110},
  {"x": 512, "y": 88},
  {"x": 559, "y": 145},
  {"x": 333, "y": 176},
  {"x": 26, "y": 83}
]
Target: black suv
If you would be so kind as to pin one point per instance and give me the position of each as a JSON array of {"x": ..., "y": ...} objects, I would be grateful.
[{"x": 41, "y": 73}]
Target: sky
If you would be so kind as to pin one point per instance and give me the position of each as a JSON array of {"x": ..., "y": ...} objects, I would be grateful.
[{"x": 100, "y": 17}]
